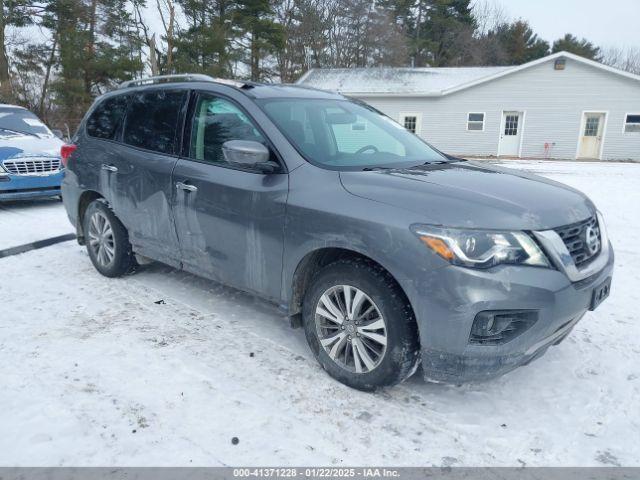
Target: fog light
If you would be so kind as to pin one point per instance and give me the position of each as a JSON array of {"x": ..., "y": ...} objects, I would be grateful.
[{"x": 496, "y": 327}]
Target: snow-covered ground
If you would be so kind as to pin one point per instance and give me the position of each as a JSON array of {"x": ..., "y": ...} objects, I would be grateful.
[
  {"x": 163, "y": 368},
  {"x": 26, "y": 221}
]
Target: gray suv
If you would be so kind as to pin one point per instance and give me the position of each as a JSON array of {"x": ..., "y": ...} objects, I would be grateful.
[{"x": 389, "y": 253}]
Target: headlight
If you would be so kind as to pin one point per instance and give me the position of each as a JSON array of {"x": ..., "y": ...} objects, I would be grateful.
[{"x": 481, "y": 248}]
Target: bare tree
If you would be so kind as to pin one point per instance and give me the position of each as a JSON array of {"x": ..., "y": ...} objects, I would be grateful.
[
  {"x": 167, "y": 10},
  {"x": 627, "y": 59},
  {"x": 149, "y": 39},
  {"x": 488, "y": 16}
]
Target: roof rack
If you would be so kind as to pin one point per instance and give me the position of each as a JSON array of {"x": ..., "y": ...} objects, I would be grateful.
[{"x": 187, "y": 77}]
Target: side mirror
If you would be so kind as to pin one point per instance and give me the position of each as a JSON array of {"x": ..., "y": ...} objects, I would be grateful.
[{"x": 248, "y": 153}]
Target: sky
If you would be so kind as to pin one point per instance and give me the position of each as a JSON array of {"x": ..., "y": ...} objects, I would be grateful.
[{"x": 608, "y": 23}]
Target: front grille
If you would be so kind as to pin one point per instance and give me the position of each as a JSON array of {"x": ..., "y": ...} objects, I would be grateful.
[
  {"x": 32, "y": 166},
  {"x": 582, "y": 239}
]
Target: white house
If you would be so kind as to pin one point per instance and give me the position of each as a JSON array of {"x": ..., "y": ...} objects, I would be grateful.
[{"x": 560, "y": 106}]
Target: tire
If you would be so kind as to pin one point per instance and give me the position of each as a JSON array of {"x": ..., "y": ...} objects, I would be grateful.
[
  {"x": 116, "y": 258},
  {"x": 397, "y": 343}
]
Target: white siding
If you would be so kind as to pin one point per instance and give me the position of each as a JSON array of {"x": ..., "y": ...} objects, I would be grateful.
[{"x": 553, "y": 102}]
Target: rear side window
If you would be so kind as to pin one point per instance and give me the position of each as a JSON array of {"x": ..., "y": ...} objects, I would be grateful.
[
  {"x": 104, "y": 121},
  {"x": 152, "y": 120}
]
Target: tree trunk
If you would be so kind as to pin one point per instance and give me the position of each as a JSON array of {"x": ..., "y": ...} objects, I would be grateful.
[
  {"x": 6, "y": 92},
  {"x": 47, "y": 76},
  {"x": 90, "y": 48},
  {"x": 255, "y": 58},
  {"x": 172, "y": 16},
  {"x": 153, "y": 57}
]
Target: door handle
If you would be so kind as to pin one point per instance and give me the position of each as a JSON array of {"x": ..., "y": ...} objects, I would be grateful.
[
  {"x": 110, "y": 168},
  {"x": 186, "y": 186}
]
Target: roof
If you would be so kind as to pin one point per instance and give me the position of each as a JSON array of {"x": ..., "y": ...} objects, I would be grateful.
[
  {"x": 394, "y": 80},
  {"x": 428, "y": 82},
  {"x": 274, "y": 90}
]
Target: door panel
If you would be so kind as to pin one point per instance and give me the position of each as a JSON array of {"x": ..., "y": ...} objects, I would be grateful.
[
  {"x": 140, "y": 171},
  {"x": 231, "y": 227},
  {"x": 591, "y": 135},
  {"x": 510, "y": 133},
  {"x": 142, "y": 197},
  {"x": 229, "y": 221}
]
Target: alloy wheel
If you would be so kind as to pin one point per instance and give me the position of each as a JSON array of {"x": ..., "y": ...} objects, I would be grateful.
[
  {"x": 351, "y": 328},
  {"x": 101, "y": 240}
]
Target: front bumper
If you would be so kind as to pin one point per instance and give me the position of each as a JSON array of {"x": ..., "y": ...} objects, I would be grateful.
[
  {"x": 16, "y": 187},
  {"x": 450, "y": 303}
]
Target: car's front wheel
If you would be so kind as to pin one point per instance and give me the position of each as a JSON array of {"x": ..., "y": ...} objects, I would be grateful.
[
  {"x": 360, "y": 325},
  {"x": 107, "y": 241}
]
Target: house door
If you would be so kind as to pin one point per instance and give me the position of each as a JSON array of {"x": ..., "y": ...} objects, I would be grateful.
[
  {"x": 510, "y": 134},
  {"x": 591, "y": 135}
]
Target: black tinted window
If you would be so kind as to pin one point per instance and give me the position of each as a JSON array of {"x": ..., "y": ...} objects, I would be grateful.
[
  {"x": 216, "y": 121},
  {"x": 105, "y": 119},
  {"x": 152, "y": 120}
]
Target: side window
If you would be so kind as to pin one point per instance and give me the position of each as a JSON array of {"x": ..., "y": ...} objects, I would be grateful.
[
  {"x": 152, "y": 120},
  {"x": 216, "y": 121},
  {"x": 104, "y": 121}
]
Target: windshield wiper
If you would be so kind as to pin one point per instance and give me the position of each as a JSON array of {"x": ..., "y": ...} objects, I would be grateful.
[
  {"x": 20, "y": 132},
  {"x": 446, "y": 160},
  {"x": 373, "y": 169}
]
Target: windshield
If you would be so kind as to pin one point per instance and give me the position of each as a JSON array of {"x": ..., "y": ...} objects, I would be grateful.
[
  {"x": 18, "y": 120},
  {"x": 345, "y": 134}
]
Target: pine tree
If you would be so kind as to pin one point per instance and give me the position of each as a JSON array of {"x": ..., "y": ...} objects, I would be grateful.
[
  {"x": 437, "y": 28},
  {"x": 519, "y": 42},
  {"x": 206, "y": 45},
  {"x": 262, "y": 35},
  {"x": 583, "y": 47},
  {"x": 97, "y": 47}
]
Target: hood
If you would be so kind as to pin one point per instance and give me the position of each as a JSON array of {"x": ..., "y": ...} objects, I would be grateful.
[
  {"x": 20, "y": 146},
  {"x": 471, "y": 195}
]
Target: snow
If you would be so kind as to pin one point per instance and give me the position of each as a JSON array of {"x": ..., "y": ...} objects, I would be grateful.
[
  {"x": 27, "y": 221},
  {"x": 425, "y": 81},
  {"x": 95, "y": 372}
]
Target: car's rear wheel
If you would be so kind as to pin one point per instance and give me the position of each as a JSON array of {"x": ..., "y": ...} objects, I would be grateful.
[
  {"x": 107, "y": 241},
  {"x": 360, "y": 325}
]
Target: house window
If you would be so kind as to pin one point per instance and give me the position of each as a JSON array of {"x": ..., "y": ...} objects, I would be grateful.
[
  {"x": 632, "y": 123},
  {"x": 475, "y": 121},
  {"x": 591, "y": 127},
  {"x": 411, "y": 121},
  {"x": 511, "y": 125}
]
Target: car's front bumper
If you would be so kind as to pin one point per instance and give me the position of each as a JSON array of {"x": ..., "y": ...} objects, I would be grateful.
[
  {"x": 16, "y": 187},
  {"x": 451, "y": 302}
]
